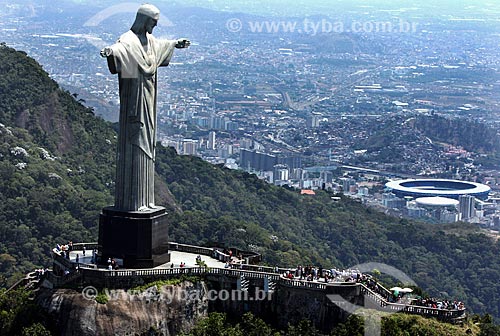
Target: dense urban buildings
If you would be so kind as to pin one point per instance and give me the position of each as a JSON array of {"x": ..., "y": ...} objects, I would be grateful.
[{"x": 341, "y": 110}]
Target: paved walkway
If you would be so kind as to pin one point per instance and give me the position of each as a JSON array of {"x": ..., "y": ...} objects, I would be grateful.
[
  {"x": 176, "y": 258},
  {"x": 83, "y": 259}
]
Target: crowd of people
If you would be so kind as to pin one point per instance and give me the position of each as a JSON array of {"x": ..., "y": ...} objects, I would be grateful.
[
  {"x": 319, "y": 274},
  {"x": 415, "y": 300},
  {"x": 438, "y": 304},
  {"x": 311, "y": 273}
]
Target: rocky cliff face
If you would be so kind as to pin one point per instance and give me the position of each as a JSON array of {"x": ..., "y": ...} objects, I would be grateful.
[{"x": 169, "y": 310}]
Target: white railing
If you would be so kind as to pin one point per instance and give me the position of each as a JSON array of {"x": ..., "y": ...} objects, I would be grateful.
[{"x": 246, "y": 271}]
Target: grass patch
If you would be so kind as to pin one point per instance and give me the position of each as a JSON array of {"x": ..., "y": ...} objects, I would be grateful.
[
  {"x": 202, "y": 264},
  {"x": 169, "y": 282},
  {"x": 102, "y": 298}
]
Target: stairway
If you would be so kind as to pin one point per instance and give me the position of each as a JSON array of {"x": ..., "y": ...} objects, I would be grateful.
[
  {"x": 272, "y": 285},
  {"x": 243, "y": 284}
]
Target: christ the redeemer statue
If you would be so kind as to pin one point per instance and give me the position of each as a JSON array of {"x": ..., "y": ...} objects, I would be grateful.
[{"x": 136, "y": 58}]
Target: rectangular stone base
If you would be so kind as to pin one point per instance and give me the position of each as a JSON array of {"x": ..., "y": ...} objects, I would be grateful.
[{"x": 140, "y": 238}]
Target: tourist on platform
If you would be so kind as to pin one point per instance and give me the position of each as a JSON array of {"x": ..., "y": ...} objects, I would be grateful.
[{"x": 94, "y": 256}]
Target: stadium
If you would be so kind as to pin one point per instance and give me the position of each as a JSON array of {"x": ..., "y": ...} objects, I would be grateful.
[{"x": 438, "y": 188}]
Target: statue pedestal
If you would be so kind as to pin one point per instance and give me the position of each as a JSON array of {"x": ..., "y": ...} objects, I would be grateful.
[{"x": 139, "y": 238}]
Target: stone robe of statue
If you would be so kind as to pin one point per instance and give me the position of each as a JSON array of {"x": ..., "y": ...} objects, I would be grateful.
[{"x": 136, "y": 58}]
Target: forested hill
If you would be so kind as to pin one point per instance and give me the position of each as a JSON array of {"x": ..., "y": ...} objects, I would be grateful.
[
  {"x": 430, "y": 133},
  {"x": 290, "y": 229},
  {"x": 474, "y": 136},
  {"x": 56, "y": 166},
  {"x": 56, "y": 173}
]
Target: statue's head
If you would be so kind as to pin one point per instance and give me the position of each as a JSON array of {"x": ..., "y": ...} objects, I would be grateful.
[{"x": 146, "y": 19}]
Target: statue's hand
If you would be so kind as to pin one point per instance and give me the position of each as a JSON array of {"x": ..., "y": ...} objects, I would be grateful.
[
  {"x": 134, "y": 126},
  {"x": 183, "y": 43},
  {"x": 106, "y": 52}
]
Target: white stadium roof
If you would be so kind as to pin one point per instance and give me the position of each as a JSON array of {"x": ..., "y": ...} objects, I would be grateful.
[
  {"x": 438, "y": 187},
  {"x": 436, "y": 201}
]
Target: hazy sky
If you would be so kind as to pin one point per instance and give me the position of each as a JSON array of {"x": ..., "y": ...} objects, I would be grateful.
[
  {"x": 309, "y": 7},
  {"x": 476, "y": 9},
  {"x": 330, "y": 7}
]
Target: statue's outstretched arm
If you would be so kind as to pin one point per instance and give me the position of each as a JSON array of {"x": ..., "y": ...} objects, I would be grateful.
[
  {"x": 182, "y": 43},
  {"x": 108, "y": 53}
]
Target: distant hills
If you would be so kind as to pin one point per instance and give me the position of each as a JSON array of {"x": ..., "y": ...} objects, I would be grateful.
[
  {"x": 56, "y": 173},
  {"x": 474, "y": 136},
  {"x": 389, "y": 142}
]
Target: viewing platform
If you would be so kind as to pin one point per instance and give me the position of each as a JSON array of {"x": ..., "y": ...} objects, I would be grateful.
[{"x": 233, "y": 269}]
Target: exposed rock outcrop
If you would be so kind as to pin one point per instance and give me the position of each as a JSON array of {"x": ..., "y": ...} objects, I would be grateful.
[{"x": 169, "y": 310}]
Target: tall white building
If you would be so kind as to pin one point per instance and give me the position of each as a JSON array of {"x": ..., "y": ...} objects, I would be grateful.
[
  {"x": 211, "y": 140},
  {"x": 189, "y": 147},
  {"x": 281, "y": 173},
  {"x": 466, "y": 206}
]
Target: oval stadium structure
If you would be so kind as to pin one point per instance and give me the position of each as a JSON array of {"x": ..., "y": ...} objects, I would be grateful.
[{"x": 438, "y": 187}]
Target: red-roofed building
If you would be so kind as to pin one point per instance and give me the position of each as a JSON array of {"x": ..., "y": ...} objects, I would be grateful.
[{"x": 307, "y": 192}]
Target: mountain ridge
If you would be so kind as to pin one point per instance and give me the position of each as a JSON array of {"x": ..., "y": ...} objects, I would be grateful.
[{"x": 52, "y": 194}]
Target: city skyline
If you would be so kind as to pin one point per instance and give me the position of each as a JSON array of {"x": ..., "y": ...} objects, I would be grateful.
[{"x": 357, "y": 87}]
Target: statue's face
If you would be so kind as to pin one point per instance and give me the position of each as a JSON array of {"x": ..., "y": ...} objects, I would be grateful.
[{"x": 150, "y": 24}]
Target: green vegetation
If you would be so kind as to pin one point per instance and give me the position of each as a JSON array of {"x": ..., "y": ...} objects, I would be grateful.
[
  {"x": 56, "y": 167},
  {"x": 474, "y": 136},
  {"x": 413, "y": 325},
  {"x": 456, "y": 261},
  {"x": 170, "y": 282},
  {"x": 202, "y": 264},
  {"x": 216, "y": 324},
  {"x": 392, "y": 325},
  {"x": 387, "y": 140},
  {"x": 55, "y": 195},
  {"x": 21, "y": 316},
  {"x": 102, "y": 297}
]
